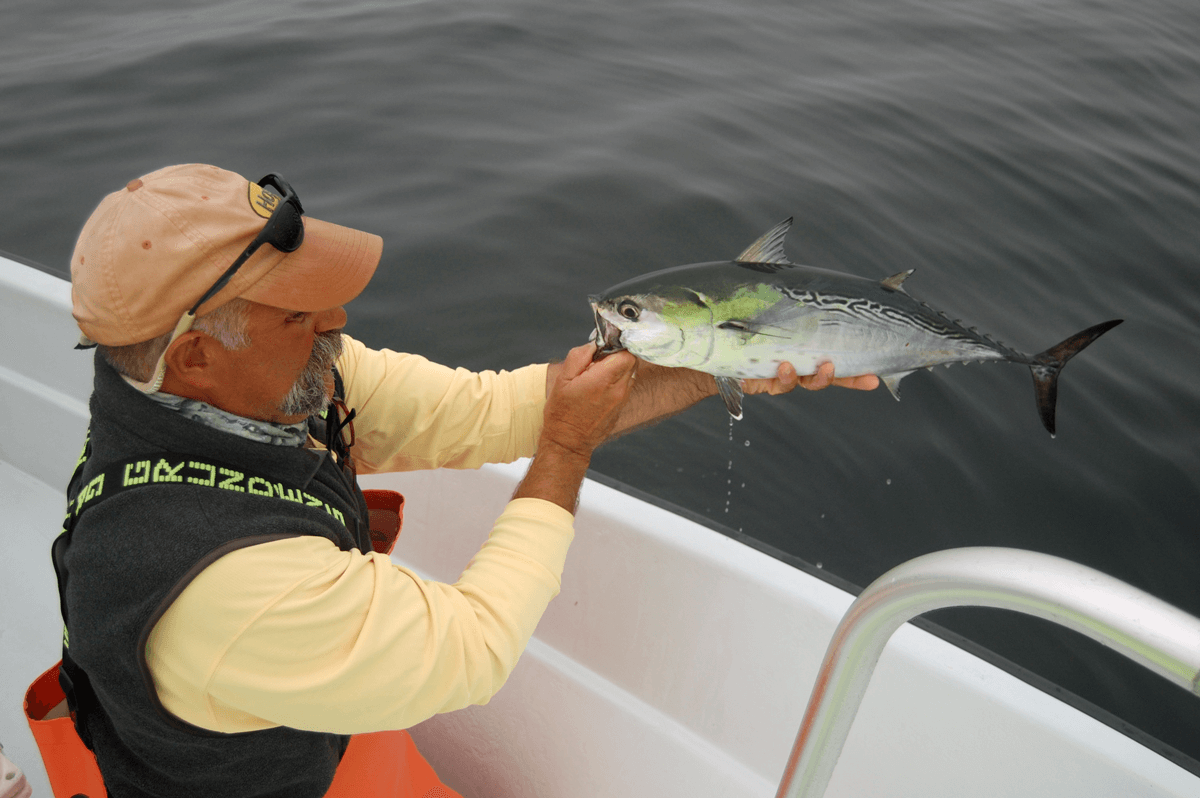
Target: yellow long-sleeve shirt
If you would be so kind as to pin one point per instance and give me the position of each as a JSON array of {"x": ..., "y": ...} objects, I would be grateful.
[{"x": 298, "y": 633}]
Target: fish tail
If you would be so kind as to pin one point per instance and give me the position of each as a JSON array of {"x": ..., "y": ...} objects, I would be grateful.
[{"x": 1046, "y": 367}]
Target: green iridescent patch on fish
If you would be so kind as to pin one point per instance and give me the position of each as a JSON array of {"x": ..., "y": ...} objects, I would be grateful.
[
  {"x": 747, "y": 302},
  {"x": 686, "y": 315}
]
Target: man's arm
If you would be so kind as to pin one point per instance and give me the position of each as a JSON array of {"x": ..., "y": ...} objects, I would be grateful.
[
  {"x": 659, "y": 392},
  {"x": 413, "y": 414}
]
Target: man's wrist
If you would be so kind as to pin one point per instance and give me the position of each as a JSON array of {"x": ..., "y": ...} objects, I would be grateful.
[{"x": 555, "y": 475}]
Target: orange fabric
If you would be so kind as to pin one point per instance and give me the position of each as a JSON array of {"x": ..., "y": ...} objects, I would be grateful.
[
  {"x": 69, "y": 764},
  {"x": 386, "y": 517},
  {"x": 386, "y": 765},
  {"x": 379, "y": 765}
]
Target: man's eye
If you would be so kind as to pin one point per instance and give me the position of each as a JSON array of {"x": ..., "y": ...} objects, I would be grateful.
[{"x": 297, "y": 316}]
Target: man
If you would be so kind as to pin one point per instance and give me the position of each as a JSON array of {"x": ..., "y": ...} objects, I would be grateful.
[{"x": 228, "y": 624}]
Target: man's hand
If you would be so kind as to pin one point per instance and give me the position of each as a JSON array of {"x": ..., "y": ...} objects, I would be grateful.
[
  {"x": 583, "y": 403},
  {"x": 785, "y": 380},
  {"x": 585, "y": 399}
]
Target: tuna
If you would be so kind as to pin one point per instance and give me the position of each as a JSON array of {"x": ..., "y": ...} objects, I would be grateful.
[{"x": 740, "y": 319}]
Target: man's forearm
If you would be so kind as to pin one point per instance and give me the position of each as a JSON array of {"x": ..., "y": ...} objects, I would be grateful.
[
  {"x": 658, "y": 392},
  {"x": 555, "y": 475}
]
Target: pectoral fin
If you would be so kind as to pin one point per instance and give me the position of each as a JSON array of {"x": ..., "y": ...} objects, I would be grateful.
[
  {"x": 731, "y": 393},
  {"x": 752, "y": 328}
]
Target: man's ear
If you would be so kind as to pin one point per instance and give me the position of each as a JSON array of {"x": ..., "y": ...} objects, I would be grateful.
[{"x": 192, "y": 359}]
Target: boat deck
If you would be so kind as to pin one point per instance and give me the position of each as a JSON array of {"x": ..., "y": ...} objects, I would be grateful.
[{"x": 676, "y": 661}]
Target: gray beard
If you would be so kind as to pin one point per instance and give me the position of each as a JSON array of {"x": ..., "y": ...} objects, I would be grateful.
[{"x": 309, "y": 395}]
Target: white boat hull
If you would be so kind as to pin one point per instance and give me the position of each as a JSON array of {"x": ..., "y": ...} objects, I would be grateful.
[{"x": 675, "y": 662}]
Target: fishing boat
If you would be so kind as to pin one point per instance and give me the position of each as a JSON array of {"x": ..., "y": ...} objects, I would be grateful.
[{"x": 677, "y": 660}]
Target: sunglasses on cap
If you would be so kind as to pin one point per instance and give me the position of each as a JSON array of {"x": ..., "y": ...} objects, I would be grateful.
[{"x": 284, "y": 230}]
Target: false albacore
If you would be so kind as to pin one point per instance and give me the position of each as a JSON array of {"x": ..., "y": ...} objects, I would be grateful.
[{"x": 740, "y": 319}]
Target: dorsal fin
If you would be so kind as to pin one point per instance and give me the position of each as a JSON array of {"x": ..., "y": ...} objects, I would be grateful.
[
  {"x": 769, "y": 247},
  {"x": 894, "y": 282}
]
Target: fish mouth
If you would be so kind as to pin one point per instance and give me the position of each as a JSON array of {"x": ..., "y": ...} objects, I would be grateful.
[{"x": 607, "y": 336}]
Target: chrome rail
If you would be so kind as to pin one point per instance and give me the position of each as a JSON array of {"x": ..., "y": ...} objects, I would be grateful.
[{"x": 1144, "y": 628}]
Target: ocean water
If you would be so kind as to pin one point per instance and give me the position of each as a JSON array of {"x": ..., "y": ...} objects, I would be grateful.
[{"x": 1037, "y": 163}]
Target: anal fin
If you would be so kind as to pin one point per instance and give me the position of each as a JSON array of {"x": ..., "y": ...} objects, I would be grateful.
[
  {"x": 731, "y": 392},
  {"x": 892, "y": 381}
]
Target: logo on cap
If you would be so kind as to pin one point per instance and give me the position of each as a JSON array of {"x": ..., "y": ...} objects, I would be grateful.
[{"x": 263, "y": 202}]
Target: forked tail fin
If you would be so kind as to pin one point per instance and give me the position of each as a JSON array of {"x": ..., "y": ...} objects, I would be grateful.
[{"x": 1046, "y": 367}]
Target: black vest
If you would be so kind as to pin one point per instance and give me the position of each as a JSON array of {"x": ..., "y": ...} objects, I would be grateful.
[{"x": 128, "y": 557}]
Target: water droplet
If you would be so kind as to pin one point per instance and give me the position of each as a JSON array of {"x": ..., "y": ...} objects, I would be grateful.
[
  {"x": 747, "y": 443},
  {"x": 889, "y": 482},
  {"x": 820, "y": 566}
]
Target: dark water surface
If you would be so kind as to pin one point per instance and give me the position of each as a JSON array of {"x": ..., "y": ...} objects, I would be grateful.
[{"x": 1037, "y": 163}]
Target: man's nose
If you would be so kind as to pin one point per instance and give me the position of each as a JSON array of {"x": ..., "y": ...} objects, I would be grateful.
[{"x": 331, "y": 319}]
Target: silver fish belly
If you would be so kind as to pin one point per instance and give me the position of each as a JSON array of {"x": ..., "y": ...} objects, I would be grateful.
[{"x": 740, "y": 319}]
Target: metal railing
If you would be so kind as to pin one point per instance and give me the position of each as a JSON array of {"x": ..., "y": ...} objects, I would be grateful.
[{"x": 1146, "y": 629}]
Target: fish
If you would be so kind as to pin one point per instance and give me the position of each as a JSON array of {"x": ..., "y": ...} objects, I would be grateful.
[{"x": 740, "y": 319}]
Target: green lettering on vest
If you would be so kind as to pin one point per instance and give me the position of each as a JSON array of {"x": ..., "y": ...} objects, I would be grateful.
[
  {"x": 89, "y": 492},
  {"x": 87, "y": 439},
  {"x": 291, "y": 494},
  {"x": 140, "y": 474},
  {"x": 231, "y": 478},
  {"x": 212, "y": 474},
  {"x": 257, "y": 491},
  {"x": 163, "y": 472}
]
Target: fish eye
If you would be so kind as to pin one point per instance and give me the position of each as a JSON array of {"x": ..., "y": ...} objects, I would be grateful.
[{"x": 629, "y": 310}]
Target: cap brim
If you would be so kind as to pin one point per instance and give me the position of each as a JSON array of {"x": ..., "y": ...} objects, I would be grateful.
[{"x": 331, "y": 267}]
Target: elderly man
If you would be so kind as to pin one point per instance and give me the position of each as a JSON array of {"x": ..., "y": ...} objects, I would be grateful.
[{"x": 230, "y": 629}]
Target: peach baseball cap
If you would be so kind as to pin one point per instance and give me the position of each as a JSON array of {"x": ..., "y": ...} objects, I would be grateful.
[{"x": 150, "y": 250}]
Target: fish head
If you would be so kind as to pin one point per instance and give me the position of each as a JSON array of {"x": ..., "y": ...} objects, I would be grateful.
[
  {"x": 607, "y": 335},
  {"x": 699, "y": 316},
  {"x": 654, "y": 327}
]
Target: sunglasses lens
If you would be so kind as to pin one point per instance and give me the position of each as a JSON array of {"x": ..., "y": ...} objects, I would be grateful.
[
  {"x": 285, "y": 229},
  {"x": 288, "y": 234}
]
